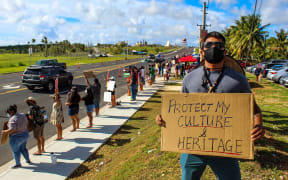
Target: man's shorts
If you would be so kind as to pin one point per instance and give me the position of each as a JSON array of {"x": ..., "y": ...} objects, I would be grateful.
[
  {"x": 96, "y": 105},
  {"x": 73, "y": 111},
  {"x": 38, "y": 131},
  {"x": 90, "y": 107}
]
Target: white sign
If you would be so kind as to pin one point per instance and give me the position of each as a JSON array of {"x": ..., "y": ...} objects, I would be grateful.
[
  {"x": 107, "y": 96},
  {"x": 111, "y": 86}
]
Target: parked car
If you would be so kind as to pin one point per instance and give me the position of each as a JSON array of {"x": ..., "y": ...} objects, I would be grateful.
[
  {"x": 45, "y": 76},
  {"x": 268, "y": 67},
  {"x": 50, "y": 62},
  {"x": 280, "y": 74},
  {"x": 284, "y": 80},
  {"x": 274, "y": 70},
  {"x": 278, "y": 61}
]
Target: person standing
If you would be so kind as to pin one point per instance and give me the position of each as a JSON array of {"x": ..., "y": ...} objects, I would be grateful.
[
  {"x": 176, "y": 71},
  {"x": 133, "y": 84},
  {"x": 57, "y": 116},
  {"x": 96, "y": 90},
  {"x": 113, "y": 97},
  {"x": 215, "y": 77},
  {"x": 73, "y": 99},
  {"x": 35, "y": 115},
  {"x": 142, "y": 77},
  {"x": 89, "y": 103},
  {"x": 18, "y": 135}
]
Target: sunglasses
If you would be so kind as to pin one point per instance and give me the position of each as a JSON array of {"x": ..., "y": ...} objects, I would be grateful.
[{"x": 219, "y": 45}]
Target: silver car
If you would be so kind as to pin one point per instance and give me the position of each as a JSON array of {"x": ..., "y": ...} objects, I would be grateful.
[
  {"x": 274, "y": 70},
  {"x": 280, "y": 74},
  {"x": 284, "y": 80}
]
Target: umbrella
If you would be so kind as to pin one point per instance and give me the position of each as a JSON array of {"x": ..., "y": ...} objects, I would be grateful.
[{"x": 188, "y": 59}]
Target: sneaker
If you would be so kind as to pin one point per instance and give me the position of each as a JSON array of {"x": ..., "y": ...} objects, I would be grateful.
[
  {"x": 29, "y": 162},
  {"x": 16, "y": 166}
]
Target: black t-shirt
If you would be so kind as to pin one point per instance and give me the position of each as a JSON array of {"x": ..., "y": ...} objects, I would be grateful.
[
  {"x": 74, "y": 100},
  {"x": 88, "y": 98}
]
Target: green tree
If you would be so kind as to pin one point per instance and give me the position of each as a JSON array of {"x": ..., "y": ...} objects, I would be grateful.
[{"x": 247, "y": 34}]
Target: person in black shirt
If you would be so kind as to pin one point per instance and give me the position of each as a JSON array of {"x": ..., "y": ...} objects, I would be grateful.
[
  {"x": 89, "y": 103},
  {"x": 72, "y": 102}
]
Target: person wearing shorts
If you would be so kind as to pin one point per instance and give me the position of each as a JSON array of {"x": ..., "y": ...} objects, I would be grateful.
[
  {"x": 38, "y": 129},
  {"x": 89, "y": 103},
  {"x": 72, "y": 102}
]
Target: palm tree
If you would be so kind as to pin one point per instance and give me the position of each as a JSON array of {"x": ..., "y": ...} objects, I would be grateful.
[
  {"x": 282, "y": 42},
  {"x": 45, "y": 41},
  {"x": 246, "y": 34}
]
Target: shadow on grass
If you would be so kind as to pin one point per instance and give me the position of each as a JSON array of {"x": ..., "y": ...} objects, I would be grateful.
[
  {"x": 137, "y": 118},
  {"x": 271, "y": 160},
  {"x": 117, "y": 142},
  {"x": 278, "y": 120},
  {"x": 278, "y": 145},
  {"x": 274, "y": 115},
  {"x": 255, "y": 85}
]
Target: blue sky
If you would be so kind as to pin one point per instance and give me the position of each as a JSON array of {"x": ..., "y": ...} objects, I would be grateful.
[{"x": 110, "y": 21}]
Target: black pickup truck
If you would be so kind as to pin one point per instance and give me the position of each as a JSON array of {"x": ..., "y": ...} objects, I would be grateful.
[
  {"x": 44, "y": 76},
  {"x": 50, "y": 62}
]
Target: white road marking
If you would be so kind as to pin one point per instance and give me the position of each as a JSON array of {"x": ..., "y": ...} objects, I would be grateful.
[{"x": 11, "y": 86}]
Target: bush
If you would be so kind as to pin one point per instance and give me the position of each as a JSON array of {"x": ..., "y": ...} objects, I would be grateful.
[{"x": 21, "y": 64}]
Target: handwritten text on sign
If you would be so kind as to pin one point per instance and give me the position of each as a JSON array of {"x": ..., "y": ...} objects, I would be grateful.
[{"x": 208, "y": 124}]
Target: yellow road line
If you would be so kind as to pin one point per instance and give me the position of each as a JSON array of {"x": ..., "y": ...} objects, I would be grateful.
[{"x": 11, "y": 91}]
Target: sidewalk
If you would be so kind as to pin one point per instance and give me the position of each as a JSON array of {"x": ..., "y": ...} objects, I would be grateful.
[{"x": 77, "y": 146}]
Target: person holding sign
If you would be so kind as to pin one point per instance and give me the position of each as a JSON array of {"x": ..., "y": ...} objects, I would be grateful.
[
  {"x": 89, "y": 103},
  {"x": 18, "y": 134},
  {"x": 214, "y": 77},
  {"x": 111, "y": 88}
]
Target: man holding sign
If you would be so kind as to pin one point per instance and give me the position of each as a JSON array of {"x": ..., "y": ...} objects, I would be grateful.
[{"x": 214, "y": 77}]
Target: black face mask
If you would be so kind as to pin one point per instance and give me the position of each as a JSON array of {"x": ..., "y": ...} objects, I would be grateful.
[{"x": 214, "y": 55}]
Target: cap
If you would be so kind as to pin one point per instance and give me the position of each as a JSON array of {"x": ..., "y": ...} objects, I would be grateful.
[{"x": 30, "y": 99}]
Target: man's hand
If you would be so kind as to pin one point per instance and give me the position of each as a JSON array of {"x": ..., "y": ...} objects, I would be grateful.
[
  {"x": 258, "y": 132},
  {"x": 159, "y": 121}
]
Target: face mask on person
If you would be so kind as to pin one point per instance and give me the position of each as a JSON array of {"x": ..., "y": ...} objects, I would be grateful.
[
  {"x": 8, "y": 115},
  {"x": 214, "y": 55}
]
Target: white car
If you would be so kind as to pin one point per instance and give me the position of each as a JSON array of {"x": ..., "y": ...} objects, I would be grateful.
[{"x": 284, "y": 81}]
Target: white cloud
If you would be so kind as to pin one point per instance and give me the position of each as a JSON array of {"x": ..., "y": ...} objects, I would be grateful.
[{"x": 113, "y": 20}]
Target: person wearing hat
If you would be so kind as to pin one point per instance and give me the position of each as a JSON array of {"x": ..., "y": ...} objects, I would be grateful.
[
  {"x": 57, "y": 116},
  {"x": 113, "y": 97},
  {"x": 18, "y": 135},
  {"x": 35, "y": 115},
  {"x": 217, "y": 78},
  {"x": 73, "y": 100}
]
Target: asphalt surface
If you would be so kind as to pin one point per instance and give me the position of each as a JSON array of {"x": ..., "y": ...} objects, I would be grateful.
[{"x": 12, "y": 92}]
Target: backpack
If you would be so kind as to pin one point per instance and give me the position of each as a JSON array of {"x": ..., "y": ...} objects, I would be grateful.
[{"x": 38, "y": 116}]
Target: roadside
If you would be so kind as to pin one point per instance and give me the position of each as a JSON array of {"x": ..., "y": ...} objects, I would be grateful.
[
  {"x": 134, "y": 151},
  {"x": 78, "y": 146}
]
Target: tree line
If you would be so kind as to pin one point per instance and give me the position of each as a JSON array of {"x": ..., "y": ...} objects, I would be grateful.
[{"x": 46, "y": 48}]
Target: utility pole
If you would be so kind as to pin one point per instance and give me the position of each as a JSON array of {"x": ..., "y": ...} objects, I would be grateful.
[{"x": 203, "y": 26}]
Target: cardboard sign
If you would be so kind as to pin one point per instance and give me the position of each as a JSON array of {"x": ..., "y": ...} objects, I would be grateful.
[
  {"x": 88, "y": 74},
  {"x": 208, "y": 124},
  {"x": 111, "y": 85},
  {"x": 5, "y": 138},
  {"x": 107, "y": 96}
]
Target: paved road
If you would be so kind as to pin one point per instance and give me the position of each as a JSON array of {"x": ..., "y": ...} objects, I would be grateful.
[{"x": 12, "y": 92}]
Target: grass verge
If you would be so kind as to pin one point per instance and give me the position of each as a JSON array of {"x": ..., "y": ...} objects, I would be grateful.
[
  {"x": 10, "y": 63},
  {"x": 134, "y": 151}
]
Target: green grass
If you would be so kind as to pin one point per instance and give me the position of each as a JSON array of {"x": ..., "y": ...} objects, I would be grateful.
[
  {"x": 10, "y": 63},
  {"x": 126, "y": 159}
]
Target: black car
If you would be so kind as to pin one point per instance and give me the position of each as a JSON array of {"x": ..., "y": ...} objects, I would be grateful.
[
  {"x": 44, "y": 76},
  {"x": 151, "y": 56}
]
